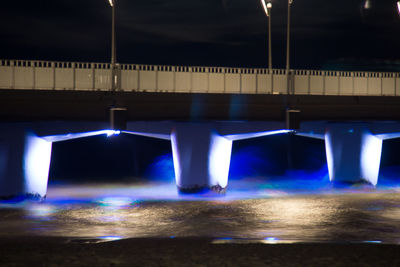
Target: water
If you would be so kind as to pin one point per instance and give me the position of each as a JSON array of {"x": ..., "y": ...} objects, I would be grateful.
[{"x": 112, "y": 212}]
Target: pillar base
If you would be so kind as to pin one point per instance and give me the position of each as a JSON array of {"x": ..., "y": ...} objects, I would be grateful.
[
  {"x": 24, "y": 163},
  {"x": 201, "y": 158},
  {"x": 353, "y": 154},
  {"x": 353, "y": 184},
  {"x": 20, "y": 198},
  {"x": 202, "y": 190}
]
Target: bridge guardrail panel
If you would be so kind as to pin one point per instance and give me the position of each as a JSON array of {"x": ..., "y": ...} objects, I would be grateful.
[
  {"x": 44, "y": 78},
  {"x": 360, "y": 85},
  {"x": 301, "y": 84},
  {"x": 6, "y": 77},
  {"x": 232, "y": 82},
  {"x": 331, "y": 84},
  {"x": 64, "y": 78},
  {"x": 280, "y": 84},
  {"x": 346, "y": 85},
  {"x": 24, "y": 78},
  {"x": 200, "y": 82},
  {"x": 374, "y": 85},
  {"x": 216, "y": 83},
  {"x": 388, "y": 86},
  {"x": 165, "y": 81},
  {"x": 183, "y": 82},
  {"x": 249, "y": 84},
  {"x": 264, "y": 83},
  {"x": 84, "y": 79},
  {"x": 102, "y": 79},
  {"x": 129, "y": 79},
  {"x": 317, "y": 84},
  {"x": 397, "y": 82},
  {"x": 147, "y": 80}
]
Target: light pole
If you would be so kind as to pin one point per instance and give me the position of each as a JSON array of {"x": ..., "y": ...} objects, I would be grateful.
[
  {"x": 113, "y": 48},
  {"x": 267, "y": 5},
  {"x": 288, "y": 50}
]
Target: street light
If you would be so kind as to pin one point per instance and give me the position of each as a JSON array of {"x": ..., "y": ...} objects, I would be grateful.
[
  {"x": 288, "y": 49},
  {"x": 267, "y": 5},
  {"x": 113, "y": 48}
]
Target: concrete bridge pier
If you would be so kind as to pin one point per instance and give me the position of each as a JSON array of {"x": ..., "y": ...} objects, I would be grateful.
[
  {"x": 24, "y": 162},
  {"x": 25, "y": 154},
  {"x": 353, "y": 154},
  {"x": 201, "y": 158}
]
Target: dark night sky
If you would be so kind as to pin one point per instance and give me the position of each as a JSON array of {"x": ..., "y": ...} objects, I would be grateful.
[{"x": 325, "y": 34}]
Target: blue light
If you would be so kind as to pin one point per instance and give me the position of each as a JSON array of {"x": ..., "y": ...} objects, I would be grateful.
[
  {"x": 110, "y": 238},
  {"x": 248, "y": 161},
  {"x": 162, "y": 168},
  {"x": 112, "y": 133},
  {"x": 237, "y": 137},
  {"x": 116, "y": 202},
  {"x": 70, "y": 136}
]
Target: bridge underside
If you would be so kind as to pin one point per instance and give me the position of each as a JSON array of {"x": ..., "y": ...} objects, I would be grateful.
[
  {"x": 201, "y": 150},
  {"x": 201, "y": 128}
]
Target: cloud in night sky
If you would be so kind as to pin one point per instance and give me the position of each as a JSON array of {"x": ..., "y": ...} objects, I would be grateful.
[{"x": 200, "y": 32}]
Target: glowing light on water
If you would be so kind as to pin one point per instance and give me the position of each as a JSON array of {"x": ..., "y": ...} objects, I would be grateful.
[
  {"x": 116, "y": 202},
  {"x": 41, "y": 211},
  {"x": 110, "y": 238},
  {"x": 270, "y": 240},
  {"x": 373, "y": 241}
]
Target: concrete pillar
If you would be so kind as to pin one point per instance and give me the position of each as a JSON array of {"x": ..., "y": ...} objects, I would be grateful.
[
  {"x": 201, "y": 158},
  {"x": 353, "y": 154},
  {"x": 24, "y": 163}
]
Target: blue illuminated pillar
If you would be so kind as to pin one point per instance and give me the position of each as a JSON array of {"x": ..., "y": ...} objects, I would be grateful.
[
  {"x": 201, "y": 158},
  {"x": 24, "y": 163},
  {"x": 353, "y": 154}
]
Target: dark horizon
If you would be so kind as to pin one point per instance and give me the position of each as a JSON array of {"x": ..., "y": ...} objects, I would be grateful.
[{"x": 361, "y": 35}]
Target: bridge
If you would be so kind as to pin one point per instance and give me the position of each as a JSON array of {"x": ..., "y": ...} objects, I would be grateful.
[{"x": 201, "y": 110}]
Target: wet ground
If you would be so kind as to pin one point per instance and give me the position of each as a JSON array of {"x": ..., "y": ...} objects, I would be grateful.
[{"x": 151, "y": 224}]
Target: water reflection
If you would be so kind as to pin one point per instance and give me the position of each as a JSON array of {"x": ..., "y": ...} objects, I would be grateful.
[{"x": 102, "y": 213}]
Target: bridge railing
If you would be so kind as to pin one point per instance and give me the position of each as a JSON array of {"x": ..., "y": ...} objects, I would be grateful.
[{"x": 46, "y": 75}]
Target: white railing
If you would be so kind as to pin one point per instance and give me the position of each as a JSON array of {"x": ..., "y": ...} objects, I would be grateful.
[{"x": 45, "y": 75}]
